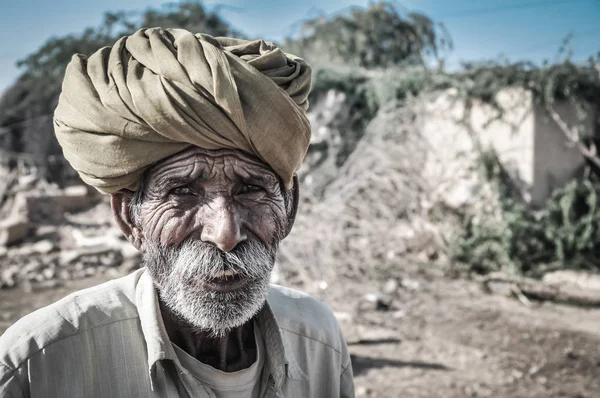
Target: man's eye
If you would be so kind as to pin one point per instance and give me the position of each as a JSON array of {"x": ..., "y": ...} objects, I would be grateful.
[
  {"x": 249, "y": 188},
  {"x": 185, "y": 190}
]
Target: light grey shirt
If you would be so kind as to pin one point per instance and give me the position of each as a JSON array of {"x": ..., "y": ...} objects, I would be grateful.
[
  {"x": 244, "y": 383},
  {"x": 110, "y": 341}
]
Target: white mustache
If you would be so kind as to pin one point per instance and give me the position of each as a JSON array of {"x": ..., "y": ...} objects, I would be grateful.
[{"x": 196, "y": 258}]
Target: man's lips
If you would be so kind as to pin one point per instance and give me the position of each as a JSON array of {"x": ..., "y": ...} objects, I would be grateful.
[{"x": 224, "y": 281}]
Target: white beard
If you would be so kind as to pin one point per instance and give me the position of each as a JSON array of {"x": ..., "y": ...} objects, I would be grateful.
[{"x": 177, "y": 273}]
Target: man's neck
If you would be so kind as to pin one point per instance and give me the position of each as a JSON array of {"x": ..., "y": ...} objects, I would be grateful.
[{"x": 234, "y": 351}]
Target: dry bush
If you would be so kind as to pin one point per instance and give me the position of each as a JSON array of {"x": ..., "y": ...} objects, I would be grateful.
[{"x": 370, "y": 216}]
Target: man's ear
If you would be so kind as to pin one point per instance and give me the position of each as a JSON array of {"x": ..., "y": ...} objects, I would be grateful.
[
  {"x": 120, "y": 204},
  {"x": 292, "y": 207}
]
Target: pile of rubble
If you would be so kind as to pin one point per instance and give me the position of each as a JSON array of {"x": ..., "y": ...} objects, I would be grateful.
[
  {"x": 377, "y": 212},
  {"x": 49, "y": 235}
]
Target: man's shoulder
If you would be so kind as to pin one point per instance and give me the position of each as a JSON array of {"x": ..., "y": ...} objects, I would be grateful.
[
  {"x": 303, "y": 315},
  {"x": 78, "y": 312}
]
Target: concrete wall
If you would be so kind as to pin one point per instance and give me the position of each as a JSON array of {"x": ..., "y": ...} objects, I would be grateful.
[
  {"x": 555, "y": 162},
  {"x": 510, "y": 133},
  {"x": 531, "y": 147}
]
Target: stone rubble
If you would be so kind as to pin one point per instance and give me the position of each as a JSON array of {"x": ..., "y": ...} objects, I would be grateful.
[{"x": 49, "y": 235}]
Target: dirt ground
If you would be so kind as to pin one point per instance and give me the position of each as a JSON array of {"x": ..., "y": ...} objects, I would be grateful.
[{"x": 435, "y": 337}]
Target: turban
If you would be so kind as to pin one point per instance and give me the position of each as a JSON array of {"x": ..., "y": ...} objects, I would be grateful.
[{"x": 160, "y": 91}]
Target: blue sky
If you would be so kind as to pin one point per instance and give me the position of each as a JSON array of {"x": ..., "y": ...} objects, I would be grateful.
[{"x": 481, "y": 29}]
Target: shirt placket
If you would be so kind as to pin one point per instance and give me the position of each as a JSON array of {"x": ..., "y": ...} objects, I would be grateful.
[
  {"x": 193, "y": 386},
  {"x": 267, "y": 388}
]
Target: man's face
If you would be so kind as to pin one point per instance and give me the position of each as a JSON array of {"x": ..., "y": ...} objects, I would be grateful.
[{"x": 211, "y": 222}]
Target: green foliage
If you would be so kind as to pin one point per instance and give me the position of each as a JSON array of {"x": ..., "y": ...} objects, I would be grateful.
[
  {"x": 189, "y": 15},
  {"x": 378, "y": 36},
  {"x": 26, "y": 107},
  {"x": 366, "y": 92},
  {"x": 564, "y": 234},
  {"x": 566, "y": 81},
  {"x": 361, "y": 107},
  {"x": 356, "y": 88},
  {"x": 47, "y": 64}
]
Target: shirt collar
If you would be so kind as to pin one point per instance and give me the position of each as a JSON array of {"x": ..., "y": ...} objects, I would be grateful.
[
  {"x": 157, "y": 340},
  {"x": 279, "y": 355}
]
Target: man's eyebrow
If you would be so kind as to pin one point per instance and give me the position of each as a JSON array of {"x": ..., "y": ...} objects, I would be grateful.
[
  {"x": 167, "y": 179},
  {"x": 262, "y": 177}
]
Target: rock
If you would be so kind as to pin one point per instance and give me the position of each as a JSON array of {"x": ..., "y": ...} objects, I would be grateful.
[
  {"x": 410, "y": 284},
  {"x": 542, "y": 380},
  {"x": 64, "y": 275},
  {"x": 44, "y": 208},
  {"x": 113, "y": 273},
  {"x": 73, "y": 198},
  {"x": 478, "y": 390},
  {"x": 343, "y": 316},
  {"x": 391, "y": 286},
  {"x": 37, "y": 208},
  {"x": 109, "y": 238},
  {"x": 499, "y": 288},
  {"x": 579, "y": 279},
  {"x": 75, "y": 191},
  {"x": 102, "y": 269},
  {"x": 7, "y": 316},
  {"x": 9, "y": 275},
  {"x": 69, "y": 256},
  {"x": 108, "y": 261},
  {"x": 46, "y": 231},
  {"x": 322, "y": 285},
  {"x": 49, "y": 273},
  {"x": 13, "y": 230},
  {"x": 570, "y": 354},
  {"x": 33, "y": 267},
  {"x": 27, "y": 181},
  {"x": 517, "y": 374},
  {"x": 78, "y": 274},
  {"x": 378, "y": 302},
  {"x": 42, "y": 247},
  {"x": 374, "y": 335},
  {"x": 534, "y": 370}
]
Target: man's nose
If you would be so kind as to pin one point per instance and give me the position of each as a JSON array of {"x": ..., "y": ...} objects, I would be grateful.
[{"x": 221, "y": 226}]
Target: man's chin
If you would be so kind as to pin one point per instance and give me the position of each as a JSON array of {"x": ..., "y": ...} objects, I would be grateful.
[
  {"x": 214, "y": 310},
  {"x": 208, "y": 289}
]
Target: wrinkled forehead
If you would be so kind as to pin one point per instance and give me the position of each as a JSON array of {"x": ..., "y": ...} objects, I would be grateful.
[{"x": 210, "y": 163}]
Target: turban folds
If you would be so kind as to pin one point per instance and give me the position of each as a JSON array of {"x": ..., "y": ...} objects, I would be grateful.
[{"x": 160, "y": 91}]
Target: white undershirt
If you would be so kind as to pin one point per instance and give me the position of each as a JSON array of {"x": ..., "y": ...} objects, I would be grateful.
[{"x": 244, "y": 383}]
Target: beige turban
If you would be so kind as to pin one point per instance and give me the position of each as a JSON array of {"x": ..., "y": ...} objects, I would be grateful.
[{"x": 160, "y": 91}]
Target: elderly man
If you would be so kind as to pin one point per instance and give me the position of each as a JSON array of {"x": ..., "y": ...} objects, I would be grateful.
[{"x": 197, "y": 140}]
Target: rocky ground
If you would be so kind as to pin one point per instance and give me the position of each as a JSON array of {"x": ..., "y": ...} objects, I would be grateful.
[
  {"x": 423, "y": 334},
  {"x": 412, "y": 329},
  {"x": 450, "y": 339}
]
